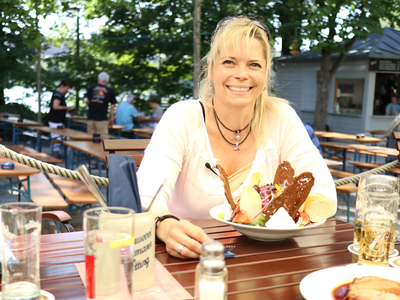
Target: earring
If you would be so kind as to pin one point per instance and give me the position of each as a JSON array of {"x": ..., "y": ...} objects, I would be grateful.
[
  {"x": 265, "y": 88},
  {"x": 211, "y": 84}
]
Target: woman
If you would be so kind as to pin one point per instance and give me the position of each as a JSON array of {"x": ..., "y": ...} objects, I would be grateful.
[{"x": 235, "y": 123}]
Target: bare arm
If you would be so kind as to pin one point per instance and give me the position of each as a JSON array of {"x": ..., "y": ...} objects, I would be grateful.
[
  {"x": 57, "y": 106},
  {"x": 112, "y": 108},
  {"x": 86, "y": 100}
]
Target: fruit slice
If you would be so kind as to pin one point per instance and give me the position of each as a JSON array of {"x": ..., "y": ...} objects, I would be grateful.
[{"x": 250, "y": 202}]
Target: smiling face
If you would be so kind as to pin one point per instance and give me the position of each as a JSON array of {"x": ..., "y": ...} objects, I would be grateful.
[{"x": 239, "y": 74}]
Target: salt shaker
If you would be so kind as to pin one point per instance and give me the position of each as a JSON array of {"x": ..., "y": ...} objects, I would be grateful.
[
  {"x": 210, "y": 250},
  {"x": 211, "y": 282}
]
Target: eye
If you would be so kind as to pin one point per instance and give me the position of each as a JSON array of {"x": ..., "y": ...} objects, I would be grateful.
[
  {"x": 227, "y": 62},
  {"x": 255, "y": 65}
]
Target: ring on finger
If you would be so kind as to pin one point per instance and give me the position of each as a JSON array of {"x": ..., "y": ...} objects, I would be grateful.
[{"x": 179, "y": 250}]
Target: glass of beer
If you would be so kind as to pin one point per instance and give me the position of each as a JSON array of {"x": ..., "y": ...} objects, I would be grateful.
[
  {"x": 21, "y": 226},
  {"x": 378, "y": 223},
  {"x": 375, "y": 183}
]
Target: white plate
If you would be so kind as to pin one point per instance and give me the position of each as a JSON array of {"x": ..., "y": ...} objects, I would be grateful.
[
  {"x": 319, "y": 285},
  {"x": 45, "y": 294},
  {"x": 354, "y": 251},
  {"x": 395, "y": 261},
  {"x": 256, "y": 232}
]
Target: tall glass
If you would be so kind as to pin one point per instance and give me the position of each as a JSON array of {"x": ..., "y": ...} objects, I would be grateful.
[
  {"x": 109, "y": 252},
  {"x": 21, "y": 226},
  {"x": 377, "y": 183},
  {"x": 378, "y": 224}
]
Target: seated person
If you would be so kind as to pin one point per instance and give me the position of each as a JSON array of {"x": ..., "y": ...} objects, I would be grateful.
[
  {"x": 394, "y": 127},
  {"x": 313, "y": 137},
  {"x": 152, "y": 122},
  {"x": 393, "y": 108},
  {"x": 126, "y": 111},
  {"x": 235, "y": 123}
]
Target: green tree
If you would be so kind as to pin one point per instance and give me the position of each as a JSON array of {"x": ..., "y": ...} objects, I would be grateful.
[
  {"x": 17, "y": 30},
  {"x": 333, "y": 26},
  {"x": 152, "y": 42}
]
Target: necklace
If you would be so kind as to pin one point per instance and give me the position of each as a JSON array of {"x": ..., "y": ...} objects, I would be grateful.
[{"x": 238, "y": 131}]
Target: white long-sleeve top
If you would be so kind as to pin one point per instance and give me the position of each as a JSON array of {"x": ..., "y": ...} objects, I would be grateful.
[{"x": 180, "y": 148}]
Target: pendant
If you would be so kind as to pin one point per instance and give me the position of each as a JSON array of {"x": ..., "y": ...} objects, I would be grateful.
[
  {"x": 238, "y": 137},
  {"x": 237, "y": 147}
]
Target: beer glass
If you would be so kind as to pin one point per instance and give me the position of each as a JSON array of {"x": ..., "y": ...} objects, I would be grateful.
[
  {"x": 378, "y": 222},
  {"x": 378, "y": 183},
  {"x": 21, "y": 226},
  {"x": 109, "y": 252}
]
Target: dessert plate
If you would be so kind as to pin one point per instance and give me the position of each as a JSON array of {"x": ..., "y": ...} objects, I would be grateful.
[
  {"x": 257, "y": 232},
  {"x": 354, "y": 251},
  {"x": 320, "y": 285}
]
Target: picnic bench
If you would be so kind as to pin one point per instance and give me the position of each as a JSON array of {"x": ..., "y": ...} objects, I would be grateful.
[
  {"x": 28, "y": 151},
  {"x": 44, "y": 193},
  {"x": 74, "y": 192}
]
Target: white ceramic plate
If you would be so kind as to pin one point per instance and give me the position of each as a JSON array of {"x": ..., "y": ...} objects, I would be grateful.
[
  {"x": 354, "y": 251},
  {"x": 47, "y": 295},
  {"x": 255, "y": 232},
  {"x": 395, "y": 262},
  {"x": 319, "y": 285}
]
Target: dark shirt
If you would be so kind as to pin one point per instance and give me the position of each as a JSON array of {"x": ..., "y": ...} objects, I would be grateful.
[
  {"x": 99, "y": 96},
  {"x": 57, "y": 116}
]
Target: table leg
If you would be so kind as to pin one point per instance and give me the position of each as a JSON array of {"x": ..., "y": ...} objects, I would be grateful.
[
  {"x": 70, "y": 158},
  {"x": 14, "y": 138},
  {"x": 344, "y": 159},
  {"x": 28, "y": 184},
  {"x": 39, "y": 141}
]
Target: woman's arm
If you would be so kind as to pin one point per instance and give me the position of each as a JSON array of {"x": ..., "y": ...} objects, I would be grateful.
[{"x": 163, "y": 160}]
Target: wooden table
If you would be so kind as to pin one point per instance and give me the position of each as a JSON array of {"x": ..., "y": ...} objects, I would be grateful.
[
  {"x": 349, "y": 137},
  {"x": 71, "y": 134},
  {"x": 4, "y": 114},
  {"x": 261, "y": 270},
  {"x": 95, "y": 150},
  {"x": 19, "y": 170},
  {"x": 16, "y": 126},
  {"x": 333, "y": 163},
  {"x": 357, "y": 148},
  {"x": 378, "y": 132}
]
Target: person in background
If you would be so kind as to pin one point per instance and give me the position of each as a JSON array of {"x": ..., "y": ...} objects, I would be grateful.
[
  {"x": 158, "y": 112},
  {"x": 393, "y": 108},
  {"x": 313, "y": 137},
  {"x": 58, "y": 110},
  {"x": 126, "y": 111},
  {"x": 97, "y": 97},
  {"x": 394, "y": 127},
  {"x": 237, "y": 124}
]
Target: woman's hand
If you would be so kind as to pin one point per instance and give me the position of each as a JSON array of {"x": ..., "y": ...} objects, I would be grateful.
[{"x": 176, "y": 233}]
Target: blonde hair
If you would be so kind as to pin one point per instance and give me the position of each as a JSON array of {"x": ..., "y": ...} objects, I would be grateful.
[{"x": 235, "y": 31}]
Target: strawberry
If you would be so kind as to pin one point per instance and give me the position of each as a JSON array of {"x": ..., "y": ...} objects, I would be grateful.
[{"x": 305, "y": 217}]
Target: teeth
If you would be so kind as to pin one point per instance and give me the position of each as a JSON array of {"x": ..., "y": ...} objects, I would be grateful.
[{"x": 236, "y": 89}]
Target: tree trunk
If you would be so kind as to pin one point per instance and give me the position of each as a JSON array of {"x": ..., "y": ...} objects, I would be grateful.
[
  {"x": 323, "y": 79},
  {"x": 2, "y": 100},
  {"x": 196, "y": 46},
  {"x": 78, "y": 89}
]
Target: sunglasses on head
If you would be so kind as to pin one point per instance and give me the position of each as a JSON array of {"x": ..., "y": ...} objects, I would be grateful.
[{"x": 260, "y": 24}]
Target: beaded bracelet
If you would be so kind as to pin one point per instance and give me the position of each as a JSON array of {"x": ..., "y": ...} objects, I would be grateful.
[{"x": 162, "y": 218}]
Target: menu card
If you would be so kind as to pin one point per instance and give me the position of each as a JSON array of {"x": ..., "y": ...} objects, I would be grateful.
[{"x": 165, "y": 287}]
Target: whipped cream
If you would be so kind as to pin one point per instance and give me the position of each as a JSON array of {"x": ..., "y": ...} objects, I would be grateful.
[{"x": 281, "y": 220}]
